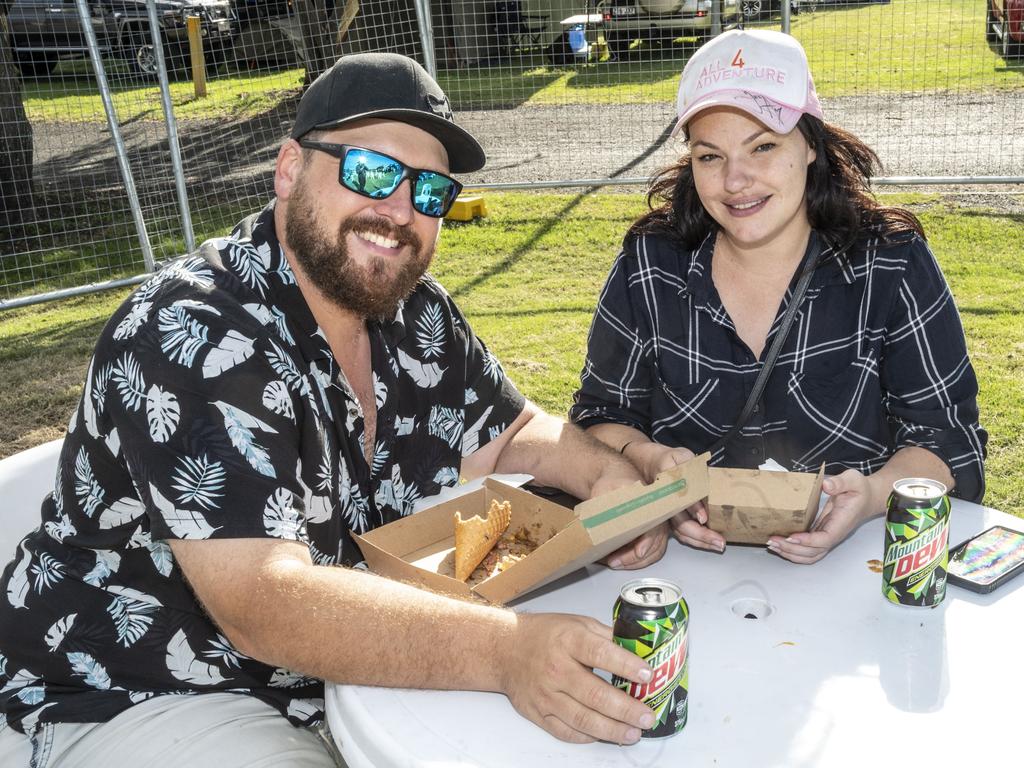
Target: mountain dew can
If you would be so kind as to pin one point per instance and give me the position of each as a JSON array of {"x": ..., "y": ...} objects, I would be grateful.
[
  {"x": 916, "y": 543},
  {"x": 651, "y": 620}
]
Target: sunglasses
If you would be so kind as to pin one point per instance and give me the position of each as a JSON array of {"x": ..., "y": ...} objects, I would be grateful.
[{"x": 376, "y": 175}]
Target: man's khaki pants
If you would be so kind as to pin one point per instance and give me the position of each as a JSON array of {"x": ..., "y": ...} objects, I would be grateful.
[{"x": 211, "y": 730}]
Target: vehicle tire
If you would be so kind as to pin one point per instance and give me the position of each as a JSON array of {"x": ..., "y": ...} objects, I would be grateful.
[
  {"x": 1009, "y": 48},
  {"x": 37, "y": 64},
  {"x": 142, "y": 54},
  {"x": 990, "y": 24},
  {"x": 751, "y": 10}
]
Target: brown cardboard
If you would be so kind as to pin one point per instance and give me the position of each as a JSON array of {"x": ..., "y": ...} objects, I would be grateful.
[
  {"x": 419, "y": 549},
  {"x": 749, "y": 505}
]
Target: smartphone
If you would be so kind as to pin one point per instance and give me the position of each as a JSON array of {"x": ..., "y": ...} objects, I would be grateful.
[{"x": 985, "y": 561}]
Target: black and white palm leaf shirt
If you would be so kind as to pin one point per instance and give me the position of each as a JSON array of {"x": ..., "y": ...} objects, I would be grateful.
[
  {"x": 213, "y": 409},
  {"x": 876, "y": 360}
]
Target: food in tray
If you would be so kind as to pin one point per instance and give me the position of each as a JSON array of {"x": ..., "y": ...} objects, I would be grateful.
[
  {"x": 510, "y": 549},
  {"x": 476, "y": 537}
]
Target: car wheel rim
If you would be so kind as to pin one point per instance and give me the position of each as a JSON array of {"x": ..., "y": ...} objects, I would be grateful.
[{"x": 145, "y": 57}]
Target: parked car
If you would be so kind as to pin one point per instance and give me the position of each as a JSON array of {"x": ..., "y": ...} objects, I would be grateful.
[
  {"x": 44, "y": 31},
  {"x": 660, "y": 21},
  {"x": 763, "y": 9},
  {"x": 1004, "y": 24},
  {"x": 131, "y": 35}
]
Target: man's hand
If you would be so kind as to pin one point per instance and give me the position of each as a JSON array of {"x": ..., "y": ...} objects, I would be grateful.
[
  {"x": 852, "y": 500},
  {"x": 548, "y": 676}
]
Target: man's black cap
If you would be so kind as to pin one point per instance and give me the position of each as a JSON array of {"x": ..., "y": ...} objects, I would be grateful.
[{"x": 386, "y": 86}]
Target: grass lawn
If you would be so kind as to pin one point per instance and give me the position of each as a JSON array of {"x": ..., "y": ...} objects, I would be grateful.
[
  {"x": 528, "y": 278},
  {"x": 903, "y": 46}
]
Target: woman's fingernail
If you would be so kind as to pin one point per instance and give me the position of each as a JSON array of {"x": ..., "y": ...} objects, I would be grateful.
[
  {"x": 614, "y": 563},
  {"x": 720, "y": 546},
  {"x": 773, "y": 545},
  {"x": 791, "y": 540}
]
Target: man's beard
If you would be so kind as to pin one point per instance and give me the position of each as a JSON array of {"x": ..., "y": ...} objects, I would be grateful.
[{"x": 366, "y": 291}]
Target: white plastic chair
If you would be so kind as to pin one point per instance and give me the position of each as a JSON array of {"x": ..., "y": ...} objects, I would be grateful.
[{"x": 25, "y": 478}]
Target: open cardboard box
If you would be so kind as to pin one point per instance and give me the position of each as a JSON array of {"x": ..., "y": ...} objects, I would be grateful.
[
  {"x": 749, "y": 505},
  {"x": 419, "y": 549}
]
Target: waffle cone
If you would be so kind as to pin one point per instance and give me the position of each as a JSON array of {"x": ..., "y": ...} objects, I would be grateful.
[{"x": 476, "y": 536}]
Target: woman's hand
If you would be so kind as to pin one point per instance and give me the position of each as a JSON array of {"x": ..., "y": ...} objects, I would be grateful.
[
  {"x": 646, "y": 549},
  {"x": 852, "y": 500}
]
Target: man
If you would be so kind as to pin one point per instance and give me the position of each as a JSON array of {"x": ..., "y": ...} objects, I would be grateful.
[{"x": 242, "y": 412}]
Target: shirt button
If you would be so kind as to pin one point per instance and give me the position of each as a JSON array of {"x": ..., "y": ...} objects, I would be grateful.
[
  {"x": 757, "y": 407},
  {"x": 754, "y": 451}
]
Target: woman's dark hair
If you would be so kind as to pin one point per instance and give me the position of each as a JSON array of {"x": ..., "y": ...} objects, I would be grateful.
[{"x": 839, "y": 200}]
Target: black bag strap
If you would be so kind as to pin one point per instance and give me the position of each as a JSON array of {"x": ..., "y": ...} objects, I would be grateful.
[{"x": 775, "y": 349}]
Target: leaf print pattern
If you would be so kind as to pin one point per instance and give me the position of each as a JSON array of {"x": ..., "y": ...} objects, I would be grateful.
[
  {"x": 183, "y": 335},
  {"x": 127, "y": 376},
  {"x": 17, "y": 586},
  {"x": 446, "y": 423},
  {"x": 132, "y": 613},
  {"x": 122, "y": 511},
  {"x": 107, "y": 562},
  {"x": 430, "y": 335},
  {"x": 135, "y": 319},
  {"x": 426, "y": 375},
  {"x": 199, "y": 481},
  {"x": 447, "y": 476},
  {"x": 277, "y": 399},
  {"x": 305, "y": 709},
  {"x": 184, "y": 523},
  {"x": 58, "y": 631},
  {"x": 222, "y": 651},
  {"x": 279, "y": 516},
  {"x": 47, "y": 571},
  {"x": 239, "y": 426},
  {"x": 251, "y": 263},
  {"x": 232, "y": 350},
  {"x": 182, "y": 663},
  {"x": 87, "y": 490},
  {"x": 85, "y": 666},
  {"x": 162, "y": 411},
  {"x": 285, "y": 367}
]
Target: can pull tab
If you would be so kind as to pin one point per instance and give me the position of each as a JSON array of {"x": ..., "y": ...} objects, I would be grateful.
[{"x": 651, "y": 595}]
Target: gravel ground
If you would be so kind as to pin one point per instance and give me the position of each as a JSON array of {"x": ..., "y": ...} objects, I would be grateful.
[{"x": 951, "y": 134}]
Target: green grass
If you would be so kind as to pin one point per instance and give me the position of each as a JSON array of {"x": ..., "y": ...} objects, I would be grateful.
[
  {"x": 906, "y": 46},
  {"x": 528, "y": 277}
]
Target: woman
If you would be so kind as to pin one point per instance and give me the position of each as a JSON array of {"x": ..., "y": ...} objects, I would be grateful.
[{"x": 873, "y": 377}]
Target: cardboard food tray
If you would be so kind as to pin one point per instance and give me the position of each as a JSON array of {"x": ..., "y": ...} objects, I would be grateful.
[
  {"x": 419, "y": 549},
  {"x": 749, "y": 505}
]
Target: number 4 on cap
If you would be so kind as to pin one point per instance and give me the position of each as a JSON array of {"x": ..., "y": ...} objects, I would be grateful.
[{"x": 737, "y": 60}]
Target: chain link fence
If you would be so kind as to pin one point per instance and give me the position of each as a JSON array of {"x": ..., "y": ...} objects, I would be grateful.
[{"x": 129, "y": 130}]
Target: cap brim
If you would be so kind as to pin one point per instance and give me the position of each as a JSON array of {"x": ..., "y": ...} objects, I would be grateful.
[
  {"x": 465, "y": 154},
  {"x": 772, "y": 114}
]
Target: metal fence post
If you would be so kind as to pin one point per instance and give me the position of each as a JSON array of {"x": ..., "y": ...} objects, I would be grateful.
[
  {"x": 115, "y": 133},
  {"x": 716, "y": 17},
  {"x": 426, "y": 36},
  {"x": 172, "y": 128}
]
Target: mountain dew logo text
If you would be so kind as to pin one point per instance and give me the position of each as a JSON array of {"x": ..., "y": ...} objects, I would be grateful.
[
  {"x": 919, "y": 555},
  {"x": 668, "y": 664}
]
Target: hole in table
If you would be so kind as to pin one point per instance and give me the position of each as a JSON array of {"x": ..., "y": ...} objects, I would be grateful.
[{"x": 752, "y": 608}]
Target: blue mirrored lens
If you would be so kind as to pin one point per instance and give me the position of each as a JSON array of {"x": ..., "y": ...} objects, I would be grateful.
[
  {"x": 433, "y": 193},
  {"x": 371, "y": 173}
]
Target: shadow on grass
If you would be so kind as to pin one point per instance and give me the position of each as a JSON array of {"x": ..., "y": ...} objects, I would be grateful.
[
  {"x": 21, "y": 346},
  {"x": 555, "y": 218}
]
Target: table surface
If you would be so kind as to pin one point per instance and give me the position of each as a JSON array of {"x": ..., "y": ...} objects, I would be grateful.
[{"x": 833, "y": 675}]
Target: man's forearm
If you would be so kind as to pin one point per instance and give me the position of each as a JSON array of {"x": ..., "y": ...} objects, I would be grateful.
[
  {"x": 349, "y": 626},
  {"x": 562, "y": 455}
]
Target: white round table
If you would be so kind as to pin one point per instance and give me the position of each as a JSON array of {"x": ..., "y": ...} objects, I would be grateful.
[{"x": 833, "y": 675}]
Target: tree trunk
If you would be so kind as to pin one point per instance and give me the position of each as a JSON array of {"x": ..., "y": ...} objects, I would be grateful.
[
  {"x": 318, "y": 22},
  {"x": 16, "y": 205}
]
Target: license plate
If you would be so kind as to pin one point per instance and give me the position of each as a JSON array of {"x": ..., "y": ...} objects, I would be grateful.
[{"x": 624, "y": 10}]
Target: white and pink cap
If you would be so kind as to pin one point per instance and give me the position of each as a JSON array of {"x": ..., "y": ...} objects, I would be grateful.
[{"x": 764, "y": 73}]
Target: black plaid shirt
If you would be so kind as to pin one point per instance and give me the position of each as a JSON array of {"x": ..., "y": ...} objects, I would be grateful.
[
  {"x": 875, "y": 361},
  {"x": 214, "y": 408}
]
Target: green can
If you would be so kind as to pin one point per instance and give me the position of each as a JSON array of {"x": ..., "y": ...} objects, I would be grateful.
[
  {"x": 651, "y": 620},
  {"x": 916, "y": 543}
]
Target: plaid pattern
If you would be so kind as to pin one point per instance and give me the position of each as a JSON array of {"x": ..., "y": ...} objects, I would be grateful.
[{"x": 876, "y": 360}]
